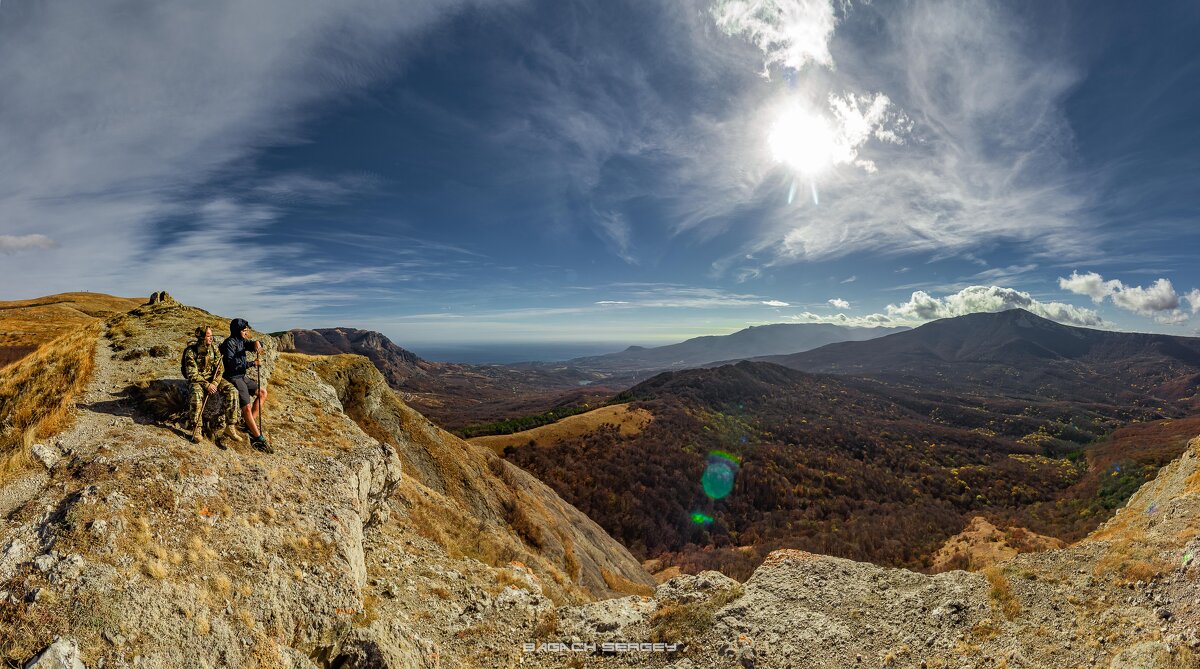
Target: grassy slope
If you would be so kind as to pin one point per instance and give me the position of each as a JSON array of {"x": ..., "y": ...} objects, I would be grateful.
[{"x": 629, "y": 421}]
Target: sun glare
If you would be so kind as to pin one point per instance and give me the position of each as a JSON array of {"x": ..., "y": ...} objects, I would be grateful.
[{"x": 802, "y": 140}]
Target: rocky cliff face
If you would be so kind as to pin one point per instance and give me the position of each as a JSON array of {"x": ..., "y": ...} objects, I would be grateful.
[
  {"x": 373, "y": 539},
  {"x": 398, "y": 365},
  {"x": 1127, "y": 597},
  {"x": 370, "y": 537}
]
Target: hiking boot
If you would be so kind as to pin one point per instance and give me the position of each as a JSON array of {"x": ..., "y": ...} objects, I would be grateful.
[
  {"x": 197, "y": 433},
  {"x": 260, "y": 443},
  {"x": 231, "y": 433}
]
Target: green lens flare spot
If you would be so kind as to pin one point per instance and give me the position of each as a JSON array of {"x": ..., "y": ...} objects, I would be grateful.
[
  {"x": 719, "y": 474},
  {"x": 701, "y": 519}
]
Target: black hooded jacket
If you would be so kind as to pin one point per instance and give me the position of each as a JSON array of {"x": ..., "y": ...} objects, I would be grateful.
[{"x": 234, "y": 348}]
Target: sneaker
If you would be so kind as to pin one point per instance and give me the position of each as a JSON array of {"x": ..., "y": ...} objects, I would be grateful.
[{"x": 260, "y": 443}]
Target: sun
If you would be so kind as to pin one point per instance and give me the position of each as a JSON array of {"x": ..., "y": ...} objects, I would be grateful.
[{"x": 802, "y": 140}]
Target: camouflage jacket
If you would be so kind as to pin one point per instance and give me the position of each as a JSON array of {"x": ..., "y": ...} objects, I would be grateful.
[{"x": 200, "y": 363}]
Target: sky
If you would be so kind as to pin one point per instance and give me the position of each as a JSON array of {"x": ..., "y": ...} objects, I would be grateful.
[{"x": 582, "y": 175}]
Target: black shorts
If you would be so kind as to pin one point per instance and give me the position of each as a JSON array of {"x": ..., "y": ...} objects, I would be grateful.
[{"x": 246, "y": 387}]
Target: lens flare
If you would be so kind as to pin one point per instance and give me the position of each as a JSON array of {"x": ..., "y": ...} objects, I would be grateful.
[
  {"x": 700, "y": 518},
  {"x": 719, "y": 475}
]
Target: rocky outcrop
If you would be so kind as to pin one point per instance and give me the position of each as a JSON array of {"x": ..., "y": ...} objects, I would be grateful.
[
  {"x": 395, "y": 363},
  {"x": 127, "y": 538},
  {"x": 160, "y": 297},
  {"x": 494, "y": 493},
  {"x": 62, "y": 654},
  {"x": 1128, "y": 596},
  {"x": 373, "y": 539}
]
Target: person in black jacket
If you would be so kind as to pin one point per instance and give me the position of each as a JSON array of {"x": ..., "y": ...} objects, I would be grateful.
[{"x": 233, "y": 354}]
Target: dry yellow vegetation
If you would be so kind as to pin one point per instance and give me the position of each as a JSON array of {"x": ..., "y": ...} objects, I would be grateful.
[
  {"x": 37, "y": 394},
  {"x": 27, "y": 324},
  {"x": 629, "y": 421}
]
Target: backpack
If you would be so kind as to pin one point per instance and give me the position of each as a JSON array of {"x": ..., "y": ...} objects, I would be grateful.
[{"x": 183, "y": 362}]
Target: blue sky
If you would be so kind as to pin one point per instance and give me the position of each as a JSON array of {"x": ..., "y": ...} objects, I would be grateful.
[{"x": 516, "y": 171}]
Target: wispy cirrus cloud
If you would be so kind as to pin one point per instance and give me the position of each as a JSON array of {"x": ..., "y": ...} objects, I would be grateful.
[
  {"x": 614, "y": 229},
  {"x": 964, "y": 74},
  {"x": 115, "y": 116}
]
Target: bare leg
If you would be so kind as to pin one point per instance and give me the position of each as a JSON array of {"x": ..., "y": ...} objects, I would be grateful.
[
  {"x": 251, "y": 423},
  {"x": 259, "y": 401}
]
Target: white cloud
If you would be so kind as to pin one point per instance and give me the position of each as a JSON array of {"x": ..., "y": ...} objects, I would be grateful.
[
  {"x": 306, "y": 188},
  {"x": 15, "y": 244},
  {"x": 868, "y": 321},
  {"x": 1193, "y": 300},
  {"x": 615, "y": 231},
  {"x": 839, "y": 303},
  {"x": 113, "y": 115},
  {"x": 975, "y": 299},
  {"x": 790, "y": 33},
  {"x": 1160, "y": 296},
  {"x": 1091, "y": 284},
  {"x": 774, "y": 303},
  {"x": 612, "y": 302},
  {"x": 964, "y": 73},
  {"x": 1158, "y": 301},
  {"x": 852, "y": 279}
]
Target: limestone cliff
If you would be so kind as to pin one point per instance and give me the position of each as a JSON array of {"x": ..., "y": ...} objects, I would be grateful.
[
  {"x": 362, "y": 541},
  {"x": 373, "y": 539}
]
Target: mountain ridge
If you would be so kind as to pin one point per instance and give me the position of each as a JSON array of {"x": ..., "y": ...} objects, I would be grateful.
[{"x": 751, "y": 342}]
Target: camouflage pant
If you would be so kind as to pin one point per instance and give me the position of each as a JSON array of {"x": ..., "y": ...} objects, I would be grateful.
[{"x": 227, "y": 392}]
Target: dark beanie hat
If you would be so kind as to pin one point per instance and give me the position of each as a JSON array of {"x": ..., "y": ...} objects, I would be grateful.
[{"x": 237, "y": 325}]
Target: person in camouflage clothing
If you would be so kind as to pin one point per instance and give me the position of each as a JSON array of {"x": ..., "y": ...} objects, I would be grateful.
[{"x": 201, "y": 363}]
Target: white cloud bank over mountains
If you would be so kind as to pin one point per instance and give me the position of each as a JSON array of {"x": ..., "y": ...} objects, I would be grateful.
[
  {"x": 1158, "y": 301},
  {"x": 922, "y": 307}
]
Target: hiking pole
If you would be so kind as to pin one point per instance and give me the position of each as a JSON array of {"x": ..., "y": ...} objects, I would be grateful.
[
  {"x": 211, "y": 381},
  {"x": 262, "y": 408}
]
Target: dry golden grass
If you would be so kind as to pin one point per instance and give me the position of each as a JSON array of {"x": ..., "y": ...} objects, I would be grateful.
[
  {"x": 28, "y": 324},
  {"x": 37, "y": 394},
  {"x": 1001, "y": 594},
  {"x": 628, "y": 421},
  {"x": 1131, "y": 560},
  {"x": 547, "y": 624},
  {"x": 154, "y": 569},
  {"x": 505, "y": 578},
  {"x": 1193, "y": 482},
  {"x": 369, "y": 612},
  {"x": 683, "y": 623},
  {"x": 625, "y": 586}
]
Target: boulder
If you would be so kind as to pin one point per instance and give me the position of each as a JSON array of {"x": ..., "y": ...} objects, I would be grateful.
[{"x": 62, "y": 654}]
